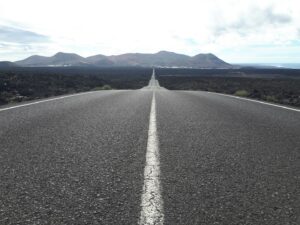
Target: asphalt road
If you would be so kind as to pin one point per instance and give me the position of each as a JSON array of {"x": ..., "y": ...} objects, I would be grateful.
[{"x": 81, "y": 159}]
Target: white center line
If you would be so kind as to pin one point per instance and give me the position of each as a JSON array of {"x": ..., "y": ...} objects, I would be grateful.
[{"x": 152, "y": 204}]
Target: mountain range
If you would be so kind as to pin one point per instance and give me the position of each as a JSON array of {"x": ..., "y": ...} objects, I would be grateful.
[
  {"x": 159, "y": 59},
  {"x": 7, "y": 64}
]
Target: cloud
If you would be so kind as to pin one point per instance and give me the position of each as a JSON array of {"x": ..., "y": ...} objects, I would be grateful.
[
  {"x": 16, "y": 35},
  {"x": 251, "y": 21},
  {"x": 189, "y": 27},
  {"x": 17, "y": 51},
  {"x": 16, "y": 43},
  {"x": 269, "y": 16}
]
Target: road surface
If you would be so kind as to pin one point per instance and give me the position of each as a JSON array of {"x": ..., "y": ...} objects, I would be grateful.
[{"x": 149, "y": 156}]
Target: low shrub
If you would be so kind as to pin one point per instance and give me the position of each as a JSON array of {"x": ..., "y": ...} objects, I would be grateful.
[{"x": 241, "y": 93}]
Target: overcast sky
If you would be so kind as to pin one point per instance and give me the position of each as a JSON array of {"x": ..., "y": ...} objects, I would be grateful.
[{"x": 264, "y": 31}]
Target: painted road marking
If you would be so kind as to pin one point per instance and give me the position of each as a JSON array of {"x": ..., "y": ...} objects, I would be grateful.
[
  {"x": 252, "y": 100},
  {"x": 47, "y": 100},
  {"x": 152, "y": 204}
]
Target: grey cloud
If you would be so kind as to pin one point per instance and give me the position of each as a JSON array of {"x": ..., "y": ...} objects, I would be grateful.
[
  {"x": 253, "y": 20},
  {"x": 21, "y": 47},
  {"x": 15, "y": 51},
  {"x": 188, "y": 41},
  {"x": 275, "y": 18},
  {"x": 16, "y": 35}
]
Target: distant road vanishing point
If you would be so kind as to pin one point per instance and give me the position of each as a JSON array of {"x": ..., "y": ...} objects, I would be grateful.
[{"x": 149, "y": 156}]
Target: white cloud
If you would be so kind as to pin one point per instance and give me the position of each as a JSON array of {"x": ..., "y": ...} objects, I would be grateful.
[{"x": 191, "y": 26}]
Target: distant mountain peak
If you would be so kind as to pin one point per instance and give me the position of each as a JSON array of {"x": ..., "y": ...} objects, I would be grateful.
[
  {"x": 36, "y": 56},
  {"x": 7, "y": 64},
  {"x": 165, "y": 52},
  {"x": 59, "y": 53},
  {"x": 66, "y": 54},
  {"x": 205, "y": 54}
]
